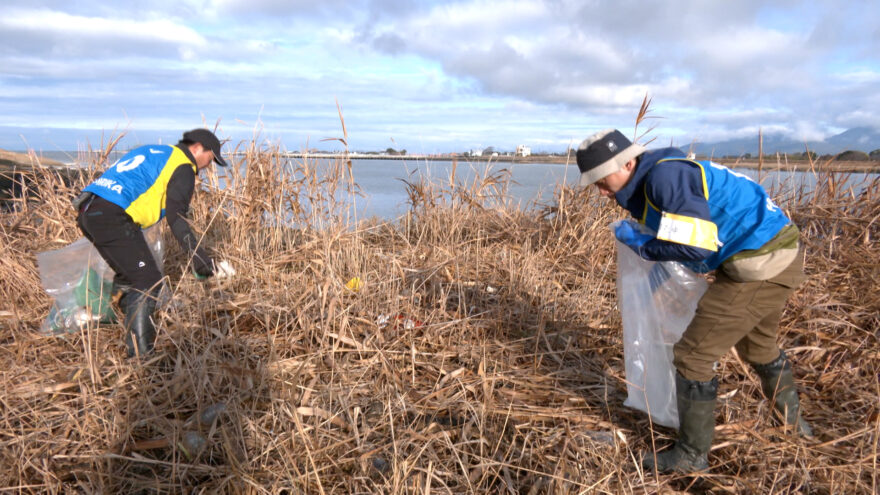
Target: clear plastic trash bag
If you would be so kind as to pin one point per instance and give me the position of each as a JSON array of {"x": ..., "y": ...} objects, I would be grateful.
[
  {"x": 657, "y": 301},
  {"x": 81, "y": 283}
]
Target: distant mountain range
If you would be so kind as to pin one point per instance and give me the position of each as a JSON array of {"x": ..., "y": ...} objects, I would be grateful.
[{"x": 865, "y": 139}]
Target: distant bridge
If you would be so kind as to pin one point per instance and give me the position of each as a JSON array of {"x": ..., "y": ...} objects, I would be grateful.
[{"x": 435, "y": 157}]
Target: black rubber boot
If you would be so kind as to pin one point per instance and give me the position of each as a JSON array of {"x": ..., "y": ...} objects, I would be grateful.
[
  {"x": 140, "y": 334},
  {"x": 696, "y": 416},
  {"x": 777, "y": 383}
]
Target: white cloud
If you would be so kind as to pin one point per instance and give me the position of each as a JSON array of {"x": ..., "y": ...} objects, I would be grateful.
[
  {"x": 858, "y": 77},
  {"x": 745, "y": 48},
  {"x": 808, "y": 131},
  {"x": 498, "y": 70},
  {"x": 61, "y": 24}
]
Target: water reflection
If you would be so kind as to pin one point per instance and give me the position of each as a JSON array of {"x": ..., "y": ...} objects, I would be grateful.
[{"x": 383, "y": 191}]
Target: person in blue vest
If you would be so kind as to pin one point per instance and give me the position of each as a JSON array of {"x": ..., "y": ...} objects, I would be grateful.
[
  {"x": 143, "y": 186},
  {"x": 707, "y": 217}
]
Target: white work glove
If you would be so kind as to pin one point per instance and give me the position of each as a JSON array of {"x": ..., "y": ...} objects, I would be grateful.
[{"x": 224, "y": 270}]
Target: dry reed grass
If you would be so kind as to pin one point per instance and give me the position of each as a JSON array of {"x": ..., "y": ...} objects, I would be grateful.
[{"x": 503, "y": 373}]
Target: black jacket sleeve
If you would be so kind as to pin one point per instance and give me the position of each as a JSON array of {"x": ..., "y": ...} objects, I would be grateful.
[{"x": 178, "y": 196}]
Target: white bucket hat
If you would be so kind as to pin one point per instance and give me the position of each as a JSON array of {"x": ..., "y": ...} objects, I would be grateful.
[{"x": 604, "y": 153}]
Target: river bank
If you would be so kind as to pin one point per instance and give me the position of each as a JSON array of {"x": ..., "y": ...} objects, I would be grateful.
[
  {"x": 16, "y": 172},
  {"x": 23, "y": 161},
  {"x": 869, "y": 167},
  {"x": 782, "y": 164},
  {"x": 480, "y": 350}
]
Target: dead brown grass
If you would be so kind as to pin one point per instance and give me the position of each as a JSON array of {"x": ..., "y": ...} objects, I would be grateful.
[{"x": 503, "y": 372}]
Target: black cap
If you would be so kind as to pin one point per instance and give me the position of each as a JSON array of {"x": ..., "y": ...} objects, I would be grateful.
[{"x": 207, "y": 139}]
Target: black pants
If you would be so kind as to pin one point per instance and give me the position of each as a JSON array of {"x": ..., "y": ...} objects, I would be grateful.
[{"x": 120, "y": 242}]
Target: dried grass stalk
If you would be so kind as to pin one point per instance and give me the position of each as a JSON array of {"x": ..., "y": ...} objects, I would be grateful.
[{"x": 483, "y": 353}]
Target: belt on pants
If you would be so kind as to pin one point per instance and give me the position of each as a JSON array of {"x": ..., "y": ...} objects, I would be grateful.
[{"x": 82, "y": 202}]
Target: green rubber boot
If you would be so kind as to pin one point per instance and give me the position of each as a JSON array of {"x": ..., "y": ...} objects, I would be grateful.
[
  {"x": 696, "y": 416},
  {"x": 777, "y": 383}
]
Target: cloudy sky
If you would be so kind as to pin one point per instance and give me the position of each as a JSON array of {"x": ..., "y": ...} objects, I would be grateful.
[{"x": 432, "y": 76}]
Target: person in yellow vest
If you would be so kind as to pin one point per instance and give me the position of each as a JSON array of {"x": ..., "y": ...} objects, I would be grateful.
[{"x": 146, "y": 184}]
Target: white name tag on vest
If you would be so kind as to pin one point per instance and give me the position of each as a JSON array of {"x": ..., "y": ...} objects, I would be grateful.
[
  {"x": 689, "y": 231},
  {"x": 673, "y": 230}
]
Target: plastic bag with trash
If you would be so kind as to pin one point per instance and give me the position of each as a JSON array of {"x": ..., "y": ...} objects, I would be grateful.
[
  {"x": 657, "y": 301},
  {"x": 81, "y": 283}
]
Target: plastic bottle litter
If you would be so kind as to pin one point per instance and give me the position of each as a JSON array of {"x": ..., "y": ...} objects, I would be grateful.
[
  {"x": 207, "y": 416},
  {"x": 398, "y": 320},
  {"x": 81, "y": 284},
  {"x": 192, "y": 443},
  {"x": 68, "y": 320}
]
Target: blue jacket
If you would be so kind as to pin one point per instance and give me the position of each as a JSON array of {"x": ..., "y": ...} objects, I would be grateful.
[
  {"x": 701, "y": 213},
  {"x": 138, "y": 182},
  {"x": 151, "y": 181}
]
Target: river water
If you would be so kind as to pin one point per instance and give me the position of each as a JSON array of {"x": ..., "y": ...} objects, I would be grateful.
[{"x": 385, "y": 194}]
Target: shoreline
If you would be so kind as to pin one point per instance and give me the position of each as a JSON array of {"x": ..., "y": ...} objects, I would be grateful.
[
  {"x": 11, "y": 161},
  {"x": 867, "y": 167}
]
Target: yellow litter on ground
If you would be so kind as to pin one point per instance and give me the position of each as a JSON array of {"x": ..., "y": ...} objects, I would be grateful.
[{"x": 355, "y": 284}]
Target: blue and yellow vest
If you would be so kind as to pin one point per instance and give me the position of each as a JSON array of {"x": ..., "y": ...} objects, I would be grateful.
[
  {"x": 138, "y": 181},
  {"x": 743, "y": 216}
]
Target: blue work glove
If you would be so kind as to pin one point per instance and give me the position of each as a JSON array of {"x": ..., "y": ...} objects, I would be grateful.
[{"x": 627, "y": 234}]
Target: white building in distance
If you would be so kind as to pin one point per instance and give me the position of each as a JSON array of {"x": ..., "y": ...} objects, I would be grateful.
[{"x": 523, "y": 150}]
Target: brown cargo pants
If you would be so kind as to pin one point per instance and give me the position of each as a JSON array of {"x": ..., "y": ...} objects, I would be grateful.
[{"x": 741, "y": 314}]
